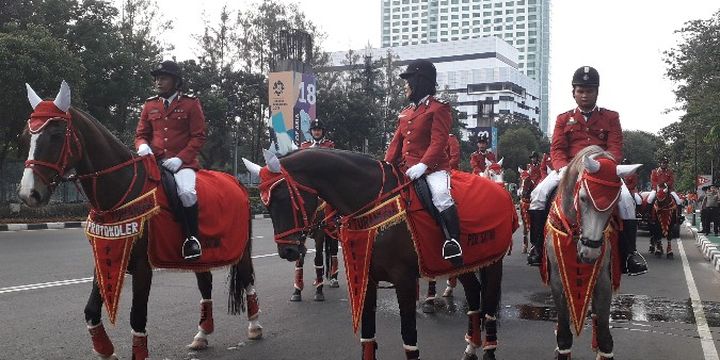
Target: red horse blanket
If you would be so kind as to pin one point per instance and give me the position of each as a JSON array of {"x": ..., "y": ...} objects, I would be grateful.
[
  {"x": 487, "y": 220},
  {"x": 224, "y": 215}
]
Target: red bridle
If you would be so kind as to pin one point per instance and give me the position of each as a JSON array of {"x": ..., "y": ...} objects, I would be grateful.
[{"x": 302, "y": 222}]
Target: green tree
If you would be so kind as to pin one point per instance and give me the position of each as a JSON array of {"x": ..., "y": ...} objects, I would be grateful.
[
  {"x": 641, "y": 147},
  {"x": 515, "y": 146}
]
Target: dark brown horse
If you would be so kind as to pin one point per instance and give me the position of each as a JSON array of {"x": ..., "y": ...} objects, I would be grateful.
[
  {"x": 665, "y": 214},
  {"x": 71, "y": 144},
  {"x": 348, "y": 182},
  {"x": 527, "y": 184}
]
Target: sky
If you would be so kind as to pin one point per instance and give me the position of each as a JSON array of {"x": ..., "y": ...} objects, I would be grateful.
[{"x": 623, "y": 39}]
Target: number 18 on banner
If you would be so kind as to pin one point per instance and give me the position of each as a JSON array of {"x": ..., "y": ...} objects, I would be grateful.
[{"x": 304, "y": 112}]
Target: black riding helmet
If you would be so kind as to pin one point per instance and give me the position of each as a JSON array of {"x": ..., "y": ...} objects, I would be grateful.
[
  {"x": 169, "y": 67},
  {"x": 586, "y": 76},
  {"x": 421, "y": 75},
  {"x": 317, "y": 124}
]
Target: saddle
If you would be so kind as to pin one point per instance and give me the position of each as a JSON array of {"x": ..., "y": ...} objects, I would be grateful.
[{"x": 167, "y": 178}]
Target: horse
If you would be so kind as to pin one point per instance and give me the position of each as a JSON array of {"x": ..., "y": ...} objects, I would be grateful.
[
  {"x": 494, "y": 171},
  {"x": 71, "y": 145},
  {"x": 665, "y": 219},
  {"x": 527, "y": 184},
  {"x": 326, "y": 249},
  {"x": 349, "y": 182},
  {"x": 578, "y": 247}
]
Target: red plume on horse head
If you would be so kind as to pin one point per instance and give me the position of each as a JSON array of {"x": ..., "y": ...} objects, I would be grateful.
[{"x": 45, "y": 110}]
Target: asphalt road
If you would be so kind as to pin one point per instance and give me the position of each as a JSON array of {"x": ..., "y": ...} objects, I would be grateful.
[{"x": 44, "y": 284}]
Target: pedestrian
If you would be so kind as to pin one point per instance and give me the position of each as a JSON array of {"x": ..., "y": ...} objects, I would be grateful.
[
  {"x": 172, "y": 127},
  {"x": 710, "y": 206}
]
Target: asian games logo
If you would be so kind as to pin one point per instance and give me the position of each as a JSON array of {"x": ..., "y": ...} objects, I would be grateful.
[{"x": 278, "y": 88}]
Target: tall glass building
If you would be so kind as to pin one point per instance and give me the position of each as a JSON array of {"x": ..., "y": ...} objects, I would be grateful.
[{"x": 524, "y": 24}]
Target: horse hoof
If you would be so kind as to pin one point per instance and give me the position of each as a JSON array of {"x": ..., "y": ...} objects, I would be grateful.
[
  {"x": 448, "y": 292},
  {"x": 467, "y": 356},
  {"x": 319, "y": 297},
  {"x": 489, "y": 355},
  {"x": 198, "y": 344},
  {"x": 428, "y": 306},
  {"x": 255, "y": 333},
  {"x": 296, "y": 297},
  {"x": 333, "y": 283},
  {"x": 111, "y": 357}
]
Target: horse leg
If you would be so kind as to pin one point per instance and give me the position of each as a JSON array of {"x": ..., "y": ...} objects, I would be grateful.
[
  {"x": 319, "y": 269},
  {"x": 669, "y": 252},
  {"x": 490, "y": 289},
  {"x": 141, "y": 282},
  {"x": 602, "y": 298},
  {"x": 206, "y": 325},
  {"x": 428, "y": 305},
  {"x": 299, "y": 283},
  {"x": 332, "y": 246},
  {"x": 451, "y": 284},
  {"x": 406, "y": 292},
  {"x": 102, "y": 346},
  {"x": 367, "y": 326},
  {"x": 564, "y": 336},
  {"x": 242, "y": 292},
  {"x": 473, "y": 337}
]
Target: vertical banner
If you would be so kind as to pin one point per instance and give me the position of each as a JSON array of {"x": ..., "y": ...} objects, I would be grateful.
[
  {"x": 292, "y": 97},
  {"x": 494, "y": 140}
]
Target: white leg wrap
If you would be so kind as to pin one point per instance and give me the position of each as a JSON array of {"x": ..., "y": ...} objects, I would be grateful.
[
  {"x": 409, "y": 347},
  {"x": 601, "y": 355},
  {"x": 141, "y": 334},
  {"x": 470, "y": 349},
  {"x": 366, "y": 340},
  {"x": 563, "y": 352}
]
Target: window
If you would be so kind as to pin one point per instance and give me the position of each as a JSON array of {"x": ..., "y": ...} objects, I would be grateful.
[
  {"x": 487, "y": 29},
  {"x": 510, "y": 3},
  {"x": 532, "y": 25},
  {"x": 454, "y": 17},
  {"x": 508, "y": 27},
  {"x": 486, "y": 21},
  {"x": 443, "y": 25},
  {"x": 465, "y": 8},
  {"x": 487, "y": 6},
  {"x": 532, "y": 33},
  {"x": 443, "y": 10},
  {"x": 532, "y": 49},
  {"x": 444, "y": 18},
  {"x": 487, "y": 13},
  {"x": 520, "y": 26},
  {"x": 465, "y": 16},
  {"x": 532, "y": 17},
  {"x": 520, "y": 57},
  {"x": 414, "y": 22},
  {"x": 498, "y": 12},
  {"x": 532, "y": 2},
  {"x": 510, "y": 11},
  {"x": 520, "y": 42},
  {"x": 466, "y": 31},
  {"x": 520, "y": 18},
  {"x": 498, "y": 28},
  {"x": 476, "y": 30},
  {"x": 465, "y": 23},
  {"x": 520, "y": 33},
  {"x": 498, "y": 20},
  {"x": 443, "y": 33},
  {"x": 454, "y": 32},
  {"x": 520, "y": 11},
  {"x": 531, "y": 41},
  {"x": 531, "y": 57}
]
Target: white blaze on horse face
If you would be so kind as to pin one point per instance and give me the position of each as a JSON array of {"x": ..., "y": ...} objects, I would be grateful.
[
  {"x": 593, "y": 226},
  {"x": 27, "y": 183}
]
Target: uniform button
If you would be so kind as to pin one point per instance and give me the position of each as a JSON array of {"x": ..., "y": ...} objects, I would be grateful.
[
  {"x": 409, "y": 132},
  {"x": 407, "y": 153},
  {"x": 409, "y": 121},
  {"x": 165, "y": 129},
  {"x": 408, "y": 141},
  {"x": 165, "y": 139}
]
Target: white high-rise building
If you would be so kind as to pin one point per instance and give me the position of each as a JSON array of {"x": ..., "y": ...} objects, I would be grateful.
[{"x": 524, "y": 24}]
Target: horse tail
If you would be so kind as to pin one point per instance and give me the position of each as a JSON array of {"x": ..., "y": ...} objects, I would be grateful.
[{"x": 242, "y": 274}]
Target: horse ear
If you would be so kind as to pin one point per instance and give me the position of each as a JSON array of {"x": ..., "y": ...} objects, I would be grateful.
[
  {"x": 520, "y": 170},
  {"x": 625, "y": 170},
  {"x": 271, "y": 161},
  {"x": 62, "y": 100},
  {"x": 591, "y": 165},
  {"x": 32, "y": 96},
  {"x": 501, "y": 160},
  {"x": 252, "y": 167}
]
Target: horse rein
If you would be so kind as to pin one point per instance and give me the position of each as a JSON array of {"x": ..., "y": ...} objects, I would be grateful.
[{"x": 67, "y": 154}]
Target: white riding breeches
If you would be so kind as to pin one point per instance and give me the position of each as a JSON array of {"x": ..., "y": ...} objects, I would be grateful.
[
  {"x": 439, "y": 183},
  {"x": 538, "y": 197},
  {"x": 651, "y": 197},
  {"x": 185, "y": 180}
]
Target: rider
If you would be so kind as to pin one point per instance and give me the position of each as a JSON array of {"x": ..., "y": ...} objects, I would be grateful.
[
  {"x": 172, "y": 126},
  {"x": 477, "y": 159},
  {"x": 576, "y": 129},
  {"x": 663, "y": 175},
  {"x": 317, "y": 130},
  {"x": 628, "y": 236},
  {"x": 453, "y": 151},
  {"x": 534, "y": 168},
  {"x": 544, "y": 165},
  {"x": 420, "y": 146}
]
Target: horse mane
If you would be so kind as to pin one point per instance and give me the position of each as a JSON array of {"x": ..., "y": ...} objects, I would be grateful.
[
  {"x": 572, "y": 172},
  {"x": 294, "y": 156},
  {"x": 96, "y": 125}
]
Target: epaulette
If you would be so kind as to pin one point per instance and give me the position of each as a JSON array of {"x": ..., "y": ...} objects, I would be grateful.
[
  {"x": 442, "y": 101},
  {"x": 190, "y": 96},
  {"x": 152, "y": 98}
]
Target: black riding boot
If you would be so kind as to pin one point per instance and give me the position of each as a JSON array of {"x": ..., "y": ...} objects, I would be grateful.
[
  {"x": 537, "y": 227},
  {"x": 451, "y": 250},
  {"x": 191, "y": 249},
  {"x": 632, "y": 262}
]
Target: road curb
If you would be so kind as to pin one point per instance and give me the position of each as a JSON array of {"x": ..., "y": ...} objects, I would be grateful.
[
  {"x": 70, "y": 225},
  {"x": 708, "y": 249}
]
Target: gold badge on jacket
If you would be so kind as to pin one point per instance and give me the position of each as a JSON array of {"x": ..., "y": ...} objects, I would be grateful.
[
  {"x": 602, "y": 136},
  {"x": 571, "y": 121}
]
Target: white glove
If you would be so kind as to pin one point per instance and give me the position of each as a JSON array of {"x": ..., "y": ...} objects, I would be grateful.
[
  {"x": 144, "y": 150},
  {"x": 416, "y": 171},
  {"x": 173, "y": 164}
]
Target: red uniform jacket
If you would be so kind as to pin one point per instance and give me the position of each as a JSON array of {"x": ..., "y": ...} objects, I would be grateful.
[
  {"x": 534, "y": 172},
  {"x": 631, "y": 181},
  {"x": 453, "y": 151},
  {"x": 323, "y": 143},
  {"x": 178, "y": 131},
  {"x": 422, "y": 136},
  {"x": 573, "y": 134},
  {"x": 477, "y": 160},
  {"x": 659, "y": 176},
  {"x": 544, "y": 165}
]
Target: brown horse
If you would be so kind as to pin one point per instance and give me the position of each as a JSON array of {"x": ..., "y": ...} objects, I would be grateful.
[
  {"x": 348, "y": 182},
  {"x": 71, "y": 145},
  {"x": 664, "y": 220},
  {"x": 527, "y": 184}
]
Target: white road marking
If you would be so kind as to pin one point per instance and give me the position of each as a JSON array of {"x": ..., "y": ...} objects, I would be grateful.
[
  {"x": 706, "y": 339},
  {"x": 18, "y": 288}
]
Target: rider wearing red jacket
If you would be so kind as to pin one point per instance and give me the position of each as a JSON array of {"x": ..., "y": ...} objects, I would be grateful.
[
  {"x": 420, "y": 145},
  {"x": 172, "y": 126},
  {"x": 477, "y": 159},
  {"x": 317, "y": 130},
  {"x": 534, "y": 168},
  {"x": 576, "y": 129},
  {"x": 660, "y": 176}
]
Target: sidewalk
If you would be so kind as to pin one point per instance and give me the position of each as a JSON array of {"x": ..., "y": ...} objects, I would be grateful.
[
  {"x": 70, "y": 224},
  {"x": 709, "y": 245}
]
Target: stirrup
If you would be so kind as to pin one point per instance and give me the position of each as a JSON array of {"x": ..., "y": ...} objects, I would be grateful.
[
  {"x": 643, "y": 264},
  {"x": 192, "y": 256},
  {"x": 451, "y": 242}
]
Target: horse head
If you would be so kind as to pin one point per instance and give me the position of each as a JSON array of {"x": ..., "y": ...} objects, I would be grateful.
[
  {"x": 291, "y": 205},
  {"x": 494, "y": 171},
  {"x": 589, "y": 191},
  {"x": 54, "y": 146}
]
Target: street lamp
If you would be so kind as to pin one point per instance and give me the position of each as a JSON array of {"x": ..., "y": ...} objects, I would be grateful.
[{"x": 235, "y": 147}]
